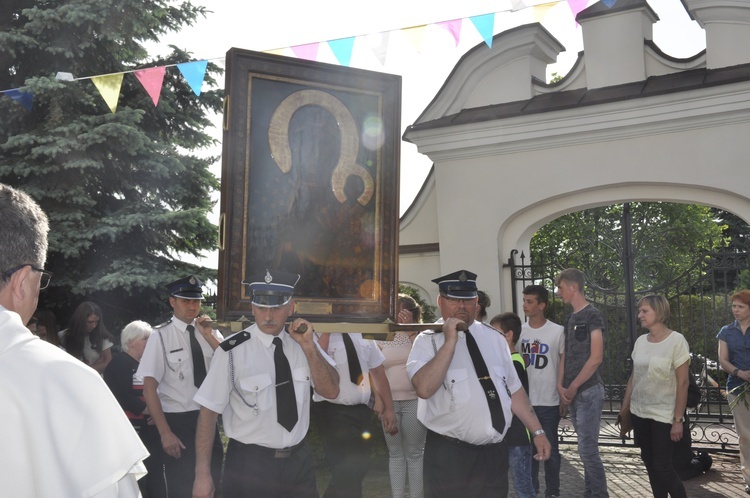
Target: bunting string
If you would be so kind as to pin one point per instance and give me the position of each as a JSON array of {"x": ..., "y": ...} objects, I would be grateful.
[{"x": 194, "y": 72}]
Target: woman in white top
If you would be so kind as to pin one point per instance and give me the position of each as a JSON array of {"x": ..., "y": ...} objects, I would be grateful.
[
  {"x": 406, "y": 446},
  {"x": 657, "y": 393}
]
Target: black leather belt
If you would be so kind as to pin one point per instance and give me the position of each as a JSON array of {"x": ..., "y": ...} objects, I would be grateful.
[
  {"x": 459, "y": 442},
  {"x": 269, "y": 452}
]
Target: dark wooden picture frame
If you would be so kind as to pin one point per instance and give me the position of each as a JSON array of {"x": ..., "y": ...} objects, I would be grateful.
[{"x": 310, "y": 182}]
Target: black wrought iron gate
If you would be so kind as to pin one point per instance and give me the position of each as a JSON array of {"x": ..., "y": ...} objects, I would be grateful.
[{"x": 699, "y": 300}]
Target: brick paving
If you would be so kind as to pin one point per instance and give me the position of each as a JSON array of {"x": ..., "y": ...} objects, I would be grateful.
[{"x": 626, "y": 476}]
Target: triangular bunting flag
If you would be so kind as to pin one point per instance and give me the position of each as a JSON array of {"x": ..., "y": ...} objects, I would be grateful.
[
  {"x": 276, "y": 51},
  {"x": 109, "y": 88},
  {"x": 152, "y": 80},
  {"x": 308, "y": 52},
  {"x": 378, "y": 43},
  {"x": 517, "y": 5},
  {"x": 540, "y": 11},
  {"x": 194, "y": 72},
  {"x": 577, "y": 6},
  {"x": 24, "y": 98},
  {"x": 453, "y": 27},
  {"x": 609, "y": 3},
  {"x": 342, "y": 49},
  {"x": 485, "y": 24},
  {"x": 415, "y": 35}
]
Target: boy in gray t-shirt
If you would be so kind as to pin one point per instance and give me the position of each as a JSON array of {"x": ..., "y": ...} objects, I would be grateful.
[{"x": 579, "y": 383}]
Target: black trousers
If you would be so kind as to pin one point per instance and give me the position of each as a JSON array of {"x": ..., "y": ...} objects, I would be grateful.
[
  {"x": 453, "y": 468},
  {"x": 347, "y": 451},
  {"x": 657, "y": 452},
  {"x": 179, "y": 473},
  {"x": 259, "y": 472},
  {"x": 152, "y": 485}
]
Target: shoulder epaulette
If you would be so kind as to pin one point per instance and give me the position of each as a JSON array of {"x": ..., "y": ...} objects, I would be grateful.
[
  {"x": 235, "y": 340},
  {"x": 162, "y": 325}
]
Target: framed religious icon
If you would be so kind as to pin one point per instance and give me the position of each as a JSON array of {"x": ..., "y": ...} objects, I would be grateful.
[{"x": 310, "y": 172}]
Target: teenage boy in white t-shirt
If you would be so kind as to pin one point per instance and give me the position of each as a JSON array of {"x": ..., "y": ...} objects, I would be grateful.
[{"x": 541, "y": 344}]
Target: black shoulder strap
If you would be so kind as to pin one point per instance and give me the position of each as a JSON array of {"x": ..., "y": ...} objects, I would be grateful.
[{"x": 235, "y": 340}]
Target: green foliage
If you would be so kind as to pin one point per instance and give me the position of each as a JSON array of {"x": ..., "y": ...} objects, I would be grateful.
[
  {"x": 125, "y": 192},
  {"x": 428, "y": 311},
  {"x": 666, "y": 238}
]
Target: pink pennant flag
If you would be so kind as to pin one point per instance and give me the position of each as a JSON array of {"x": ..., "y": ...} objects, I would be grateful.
[
  {"x": 453, "y": 27},
  {"x": 152, "y": 80},
  {"x": 577, "y": 6},
  {"x": 109, "y": 88},
  {"x": 308, "y": 51}
]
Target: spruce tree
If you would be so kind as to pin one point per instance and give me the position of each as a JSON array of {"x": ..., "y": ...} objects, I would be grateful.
[{"x": 127, "y": 193}]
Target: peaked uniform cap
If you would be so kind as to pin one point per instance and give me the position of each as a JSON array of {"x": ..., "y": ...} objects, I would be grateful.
[
  {"x": 460, "y": 284},
  {"x": 272, "y": 289},
  {"x": 189, "y": 287}
]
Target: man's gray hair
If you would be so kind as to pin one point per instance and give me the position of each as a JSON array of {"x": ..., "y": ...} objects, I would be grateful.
[
  {"x": 132, "y": 332},
  {"x": 23, "y": 231}
]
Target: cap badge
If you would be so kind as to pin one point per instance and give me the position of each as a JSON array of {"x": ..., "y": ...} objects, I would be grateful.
[
  {"x": 193, "y": 281},
  {"x": 268, "y": 278},
  {"x": 462, "y": 277}
]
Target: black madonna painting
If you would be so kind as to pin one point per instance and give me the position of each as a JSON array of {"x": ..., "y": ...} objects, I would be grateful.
[{"x": 310, "y": 185}]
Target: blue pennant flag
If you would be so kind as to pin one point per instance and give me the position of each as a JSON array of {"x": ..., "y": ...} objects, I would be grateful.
[
  {"x": 194, "y": 72},
  {"x": 342, "y": 49},
  {"x": 23, "y": 98}
]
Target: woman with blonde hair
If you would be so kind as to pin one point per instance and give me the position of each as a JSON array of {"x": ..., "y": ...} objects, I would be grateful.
[{"x": 656, "y": 395}]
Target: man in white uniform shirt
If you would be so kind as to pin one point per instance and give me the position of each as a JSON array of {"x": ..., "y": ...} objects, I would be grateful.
[
  {"x": 344, "y": 418},
  {"x": 62, "y": 431},
  {"x": 174, "y": 363},
  {"x": 541, "y": 344},
  {"x": 265, "y": 416},
  {"x": 468, "y": 391}
]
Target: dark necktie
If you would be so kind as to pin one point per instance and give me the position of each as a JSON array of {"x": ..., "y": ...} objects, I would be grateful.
[
  {"x": 199, "y": 364},
  {"x": 493, "y": 397},
  {"x": 355, "y": 369},
  {"x": 286, "y": 401}
]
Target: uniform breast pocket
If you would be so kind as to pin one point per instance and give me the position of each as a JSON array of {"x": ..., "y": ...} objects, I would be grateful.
[
  {"x": 301, "y": 383},
  {"x": 457, "y": 381},
  {"x": 258, "y": 390},
  {"x": 660, "y": 368},
  {"x": 177, "y": 358}
]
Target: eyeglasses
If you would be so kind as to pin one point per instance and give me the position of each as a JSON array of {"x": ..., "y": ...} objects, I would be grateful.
[{"x": 43, "y": 281}]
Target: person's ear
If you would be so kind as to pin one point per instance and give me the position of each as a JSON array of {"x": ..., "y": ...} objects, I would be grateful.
[{"x": 19, "y": 283}]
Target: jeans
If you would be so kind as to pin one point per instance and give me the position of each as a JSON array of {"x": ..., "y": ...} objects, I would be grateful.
[
  {"x": 519, "y": 458},
  {"x": 549, "y": 417},
  {"x": 586, "y": 415}
]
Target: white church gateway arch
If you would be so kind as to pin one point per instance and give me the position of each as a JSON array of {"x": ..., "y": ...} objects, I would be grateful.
[{"x": 628, "y": 123}]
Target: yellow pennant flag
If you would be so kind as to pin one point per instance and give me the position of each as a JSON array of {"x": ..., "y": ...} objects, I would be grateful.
[
  {"x": 415, "y": 36},
  {"x": 109, "y": 88},
  {"x": 540, "y": 11}
]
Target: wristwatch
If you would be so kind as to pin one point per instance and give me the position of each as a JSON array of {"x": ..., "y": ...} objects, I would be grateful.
[
  {"x": 538, "y": 432},
  {"x": 735, "y": 372},
  {"x": 676, "y": 420}
]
